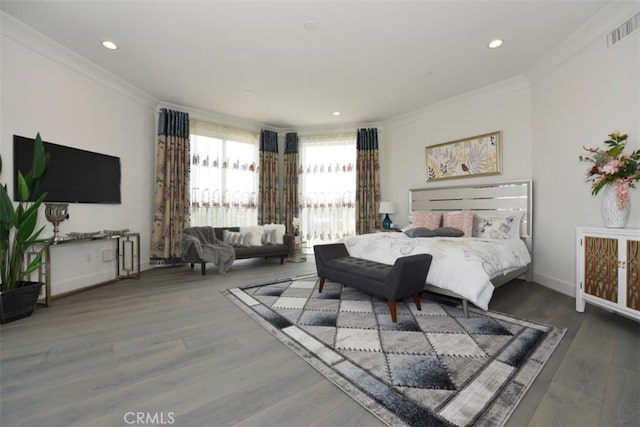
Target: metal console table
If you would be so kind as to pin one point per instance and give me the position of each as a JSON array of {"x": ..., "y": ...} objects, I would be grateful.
[{"x": 127, "y": 257}]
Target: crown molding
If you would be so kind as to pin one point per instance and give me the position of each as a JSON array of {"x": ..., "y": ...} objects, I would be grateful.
[
  {"x": 604, "y": 21},
  {"x": 28, "y": 37},
  {"x": 217, "y": 118},
  {"x": 241, "y": 123},
  {"x": 484, "y": 94}
]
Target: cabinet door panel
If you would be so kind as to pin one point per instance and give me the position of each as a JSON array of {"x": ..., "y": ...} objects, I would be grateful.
[
  {"x": 633, "y": 274},
  {"x": 601, "y": 267}
]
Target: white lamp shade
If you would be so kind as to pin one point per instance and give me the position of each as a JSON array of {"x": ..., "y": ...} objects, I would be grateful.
[{"x": 386, "y": 208}]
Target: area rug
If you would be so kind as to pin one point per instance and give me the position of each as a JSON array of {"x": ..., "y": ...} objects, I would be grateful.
[{"x": 433, "y": 367}]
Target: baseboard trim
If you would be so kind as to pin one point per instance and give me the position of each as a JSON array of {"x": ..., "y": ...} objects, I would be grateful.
[
  {"x": 555, "y": 284},
  {"x": 82, "y": 289}
]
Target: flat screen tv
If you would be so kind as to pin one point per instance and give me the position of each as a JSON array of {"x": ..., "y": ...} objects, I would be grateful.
[{"x": 73, "y": 175}]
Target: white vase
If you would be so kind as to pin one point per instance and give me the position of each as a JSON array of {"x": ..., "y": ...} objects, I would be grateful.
[{"x": 612, "y": 215}]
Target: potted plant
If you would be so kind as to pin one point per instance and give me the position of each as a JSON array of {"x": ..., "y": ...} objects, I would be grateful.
[{"x": 18, "y": 234}]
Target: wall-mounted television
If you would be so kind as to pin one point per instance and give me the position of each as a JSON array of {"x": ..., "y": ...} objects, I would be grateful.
[{"x": 73, "y": 175}]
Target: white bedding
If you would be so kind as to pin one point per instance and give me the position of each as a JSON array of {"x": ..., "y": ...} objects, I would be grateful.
[{"x": 461, "y": 265}]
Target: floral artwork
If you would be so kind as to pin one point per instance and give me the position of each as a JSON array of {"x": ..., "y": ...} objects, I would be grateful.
[{"x": 478, "y": 155}]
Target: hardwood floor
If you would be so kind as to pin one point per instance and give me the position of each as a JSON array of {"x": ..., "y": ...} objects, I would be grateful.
[{"x": 171, "y": 346}]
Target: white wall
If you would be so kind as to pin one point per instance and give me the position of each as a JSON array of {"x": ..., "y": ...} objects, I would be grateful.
[
  {"x": 503, "y": 107},
  {"x": 48, "y": 89},
  {"x": 577, "y": 102}
]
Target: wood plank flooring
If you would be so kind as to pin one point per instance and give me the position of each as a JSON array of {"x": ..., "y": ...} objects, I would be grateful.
[{"x": 172, "y": 346}]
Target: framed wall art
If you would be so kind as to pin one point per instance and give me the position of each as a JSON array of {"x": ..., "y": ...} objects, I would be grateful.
[{"x": 475, "y": 156}]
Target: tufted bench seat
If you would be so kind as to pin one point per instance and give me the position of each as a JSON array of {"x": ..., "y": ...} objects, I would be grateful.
[{"x": 406, "y": 277}]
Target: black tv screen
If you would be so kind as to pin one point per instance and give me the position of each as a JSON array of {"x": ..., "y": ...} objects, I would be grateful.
[{"x": 73, "y": 175}]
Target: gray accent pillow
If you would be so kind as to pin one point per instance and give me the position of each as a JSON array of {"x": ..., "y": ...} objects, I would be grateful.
[
  {"x": 448, "y": 232},
  {"x": 420, "y": 232}
]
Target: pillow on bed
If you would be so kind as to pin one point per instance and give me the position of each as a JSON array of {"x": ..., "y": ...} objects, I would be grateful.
[
  {"x": 427, "y": 219},
  {"x": 420, "y": 232},
  {"x": 497, "y": 226},
  {"x": 462, "y": 220},
  {"x": 448, "y": 232}
]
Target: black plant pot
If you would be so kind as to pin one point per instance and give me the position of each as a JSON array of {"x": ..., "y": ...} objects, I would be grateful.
[{"x": 19, "y": 302}]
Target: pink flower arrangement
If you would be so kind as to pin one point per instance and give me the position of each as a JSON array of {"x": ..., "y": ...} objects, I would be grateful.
[{"x": 611, "y": 165}]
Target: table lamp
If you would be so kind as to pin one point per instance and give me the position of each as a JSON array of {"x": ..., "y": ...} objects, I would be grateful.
[{"x": 386, "y": 208}]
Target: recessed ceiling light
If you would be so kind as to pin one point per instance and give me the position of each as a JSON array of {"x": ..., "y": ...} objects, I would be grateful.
[
  {"x": 495, "y": 43},
  {"x": 247, "y": 92},
  {"x": 109, "y": 45},
  {"x": 336, "y": 113},
  {"x": 310, "y": 26}
]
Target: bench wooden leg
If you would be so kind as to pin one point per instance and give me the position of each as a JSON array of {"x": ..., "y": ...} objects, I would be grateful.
[
  {"x": 203, "y": 268},
  {"x": 392, "y": 307},
  {"x": 281, "y": 260},
  {"x": 321, "y": 284},
  {"x": 416, "y": 299},
  {"x": 192, "y": 266}
]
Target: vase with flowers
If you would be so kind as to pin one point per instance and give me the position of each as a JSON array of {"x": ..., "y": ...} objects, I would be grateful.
[{"x": 614, "y": 172}]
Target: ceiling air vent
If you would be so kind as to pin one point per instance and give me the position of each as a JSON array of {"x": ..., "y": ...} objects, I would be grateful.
[{"x": 623, "y": 30}]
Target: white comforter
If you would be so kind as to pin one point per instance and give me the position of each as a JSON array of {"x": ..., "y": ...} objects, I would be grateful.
[{"x": 462, "y": 265}]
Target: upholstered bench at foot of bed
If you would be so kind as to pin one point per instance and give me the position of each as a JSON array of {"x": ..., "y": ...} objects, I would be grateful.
[{"x": 406, "y": 277}]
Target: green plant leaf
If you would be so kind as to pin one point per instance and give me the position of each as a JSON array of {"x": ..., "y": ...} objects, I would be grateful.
[
  {"x": 33, "y": 238},
  {"x": 23, "y": 188},
  {"x": 26, "y": 226},
  {"x": 34, "y": 264},
  {"x": 39, "y": 165},
  {"x": 6, "y": 207},
  {"x": 615, "y": 151}
]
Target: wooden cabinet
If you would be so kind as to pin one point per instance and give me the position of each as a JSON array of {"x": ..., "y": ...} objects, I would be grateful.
[{"x": 608, "y": 269}]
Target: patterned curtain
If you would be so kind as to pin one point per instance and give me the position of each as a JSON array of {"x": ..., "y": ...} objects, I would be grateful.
[
  {"x": 367, "y": 181},
  {"x": 171, "y": 201},
  {"x": 268, "y": 209},
  {"x": 290, "y": 196}
]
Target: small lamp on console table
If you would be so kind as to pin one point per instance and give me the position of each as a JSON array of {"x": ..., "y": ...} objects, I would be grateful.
[{"x": 386, "y": 208}]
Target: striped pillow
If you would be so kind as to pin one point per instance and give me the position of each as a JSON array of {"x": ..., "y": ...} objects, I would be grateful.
[{"x": 462, "y": 220}]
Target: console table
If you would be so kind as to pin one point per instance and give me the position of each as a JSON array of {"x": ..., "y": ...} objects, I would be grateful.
[{"x": 127, "y": 257}]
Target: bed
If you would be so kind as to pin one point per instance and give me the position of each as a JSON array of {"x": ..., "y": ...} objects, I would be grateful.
[{"x": 468, "y": 268}]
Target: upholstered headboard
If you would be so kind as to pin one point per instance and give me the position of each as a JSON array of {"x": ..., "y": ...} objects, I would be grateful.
[{"x": 504, "y": 197}]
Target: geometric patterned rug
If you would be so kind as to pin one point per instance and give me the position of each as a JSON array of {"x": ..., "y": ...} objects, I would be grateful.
[{"x": 433, "y": 367}]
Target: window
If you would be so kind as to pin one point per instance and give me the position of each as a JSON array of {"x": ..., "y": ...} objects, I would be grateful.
[
  {"x": 224, "y": 175},
  {"x": 327, "y": 187}
]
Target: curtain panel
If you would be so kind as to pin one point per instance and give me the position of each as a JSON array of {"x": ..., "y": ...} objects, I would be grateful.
[
  {"x": 171, "y": 190},
  {"x": 268, "y": 206},
  {"x": 290, "y": 197},
  {"x": 367, "y": 180},
  {"x": 327, "y": 187},
  {"x": 224, "y": 175}
]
